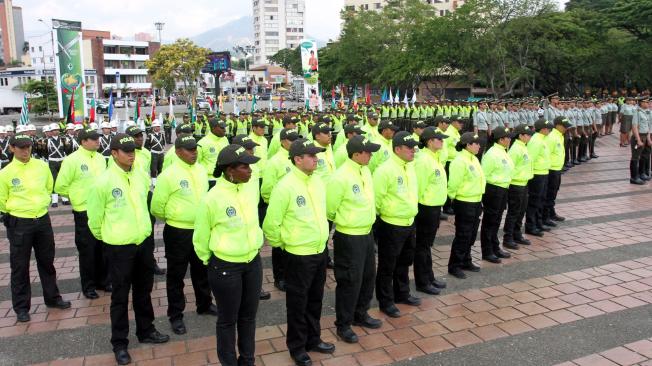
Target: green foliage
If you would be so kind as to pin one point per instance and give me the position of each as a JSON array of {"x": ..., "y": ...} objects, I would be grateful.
[
  {"x": 288, "y": 59},
  {"x": 42, "y": 96},
  {"x": 182, "y": 60}
]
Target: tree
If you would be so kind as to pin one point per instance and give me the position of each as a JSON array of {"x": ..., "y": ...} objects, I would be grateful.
[
  {"x": 166, "y": 83},
  {"x": 182, "y": 60},
  {"x": 42, "y": 96},
  {"x": 289, "y": 59}
]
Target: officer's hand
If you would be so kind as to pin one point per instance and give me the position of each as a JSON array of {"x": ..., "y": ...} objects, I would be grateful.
[{"x": 640, "y": 143}]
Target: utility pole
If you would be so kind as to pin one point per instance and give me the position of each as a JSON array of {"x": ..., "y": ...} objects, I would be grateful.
[{"x": 159, "y": 28}]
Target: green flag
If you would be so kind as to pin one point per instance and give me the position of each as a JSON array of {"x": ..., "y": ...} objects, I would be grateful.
[{"x": 253, "y": 104}]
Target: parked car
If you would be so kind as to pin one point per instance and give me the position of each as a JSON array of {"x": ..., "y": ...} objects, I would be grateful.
[
  {"x": 119, "y": 103},
  {"x": 202, "y": 104},
  {"x": 102, "y": 106}
]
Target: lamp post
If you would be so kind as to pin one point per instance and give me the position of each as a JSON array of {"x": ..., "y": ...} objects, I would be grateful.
[{"x": 159, "y": 28}]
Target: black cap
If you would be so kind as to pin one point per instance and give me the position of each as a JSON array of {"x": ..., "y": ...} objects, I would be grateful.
[
  {"x": 455, "y": 118},
  {"x": 325, "y": 119},
  {"x": 351, "y": 117},
  {"x": 523, "y": 130},
  {"x": 185, "y": 142},
  {"x": 133, "y": 131},
  {"x": 372, "y": 115},
  {"x": 244, "y": 141},
  {"x": 321, "y": 128},
  {"x": 469, "y": 138},
  {"x": 214, "y": 122},
  {"x": 404, "y": 138},
  {"x": 420, "y": 124},
  {"x": 258, "y": 122},
  {"x": 20, "y": 140},
  {"x": 560, "y": 120},
  {"x": 183, "y": 128},
  {"x": 233, "y": 154},
  {"x": 353, "y": 128},
  {"x": 302, "y": 146},
  {"x": 431, "y": 133},
  {"x": 360, "y": 143},
  {"x": 387, "y": 124},
  {"x": 440, "y": 118},
  {"x": 290, "y": 134},
  {"x": 124, "y": 142},
  {"x": 500, "y": 132},
  {"x": 88, "y": 133},
  {"x": 542, "y": 123},
  {"x": 289, "y": 119}
]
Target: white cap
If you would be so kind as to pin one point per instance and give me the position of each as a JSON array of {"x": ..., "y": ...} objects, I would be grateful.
[
  {"x": 20, "y": 128},
  {"x": 93, "y": 125},
  {"x": 31, "y": 127},
  {"x": 70, "y": 126},
  {"x": 156, "y": 123},
  {"x": 79, "y": 126},
  {"x": 54, "y": 127},
  {"x": 2, "y": 129},
  {"x": 130, "y": 123},
  {"x": 9, "y": 128},
  {"x": 114, "y": 124},
  {"x": 46, "y": 128},
  {"x": 105, "y": 125}
]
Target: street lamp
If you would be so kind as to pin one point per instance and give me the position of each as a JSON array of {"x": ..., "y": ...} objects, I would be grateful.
[{"x": 159, "y": 28}]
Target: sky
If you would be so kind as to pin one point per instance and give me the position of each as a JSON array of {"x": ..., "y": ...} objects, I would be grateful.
[{"x": 128, "y": 17}]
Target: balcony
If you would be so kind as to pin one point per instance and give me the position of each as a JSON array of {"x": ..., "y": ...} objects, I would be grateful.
[
  {"x": 125, "y": 57},
  {"x": 112, "y": 71}
]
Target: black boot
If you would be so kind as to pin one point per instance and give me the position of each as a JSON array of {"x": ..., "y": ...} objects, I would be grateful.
[
  {"x": 646, "y": 169},
  {"x": 575, "y": 148},
  {"x": 633, "y": 171},
  {"x": 642, "y": 166},
  {"x": 594, "y": 137},
  {"x": 581, "y": 154}
]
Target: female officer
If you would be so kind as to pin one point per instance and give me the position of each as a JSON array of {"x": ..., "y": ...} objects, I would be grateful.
[
  {"x": 466, "y": 184},
  {"x": 227, "y": 238}
]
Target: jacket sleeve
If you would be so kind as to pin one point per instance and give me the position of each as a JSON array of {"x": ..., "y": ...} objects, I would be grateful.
[
  {"x": 160, "y": 197},
  {"x": 49, "y": 181},
  {"x": 202, "y": 233},
  {"x": 95, "y": 210},
  {"x": 269, "y": 180},
  {"x": 488, "y": 164},
  {"x": 334, "y": 194},
  {"x": 423, "y": 173},
  {"x": 278, "y": 203},
  {"x": 456, "y": 173},
  {"x": 380, "y": 189},
  {"x": 65, "y": 177},
  {"x": 4, "y": 193}
]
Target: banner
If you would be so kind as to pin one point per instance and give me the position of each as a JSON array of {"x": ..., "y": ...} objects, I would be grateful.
[
  {"x": 310, "y": 70},
  {"x": 69, "y": 64}
]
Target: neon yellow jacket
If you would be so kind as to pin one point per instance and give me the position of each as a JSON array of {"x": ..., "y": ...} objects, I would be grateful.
[
  {"x": 170, "y": 157},
  {"x": 296, "y": 215},
  {"x": 25, "y": 188},
  {"x": 382, "y": 155},
  {"x": 443, "y": 152},
  {"x": 117, "y": 207},
  {"x": 350, "y": 199},
  {"x": 452, "y": 140},
  {"x": 77, "y": 174},
  {"x": 341, "y": 155},
  {"x": 142, "y": 161},
  {"x": 260, "y": 151},
  {"x": 396, "y": 191},
  {"x": 277, "y": 167},
  {"x": 227, "y": 224},
  {"x": 466, "y": 180},
  {"x": 274, "y": 145},
  {"x": 539, "y": 153},
  {"x": 555, "y": 142},
  {"x": 497, "y": 166},
  {"x": 207, "y": 150},
  {"x": 325, "y": 163},
  {"x": 431, "y": 178},
  {"x": 523, "y": 170},
  {"x": 179, "y": 191}
]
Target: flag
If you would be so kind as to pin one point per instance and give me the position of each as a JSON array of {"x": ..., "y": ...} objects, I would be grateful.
[
  {"x": 383, "y": 98},
  {"x": 355, "y": 98},
  {"x": 193, "y": 110},
  {"x": 397, "y": 100},
  {"x": 367, "y": 92},
  {"x": 24, "y": 111},
  {"x": 253, "y": 104},
  {"x": 70, "y": 117},
  {"x": 405, "y": 100},
  {"x": 221, "y": 102},
  {"x": 136, "y": 110},
  {"x": 271, "y": 96},
  {"x": 391, "y": 98},
  {"x": 280, "y": 103},
  {"x": 307, "y": 102},
  {"x": 91, "y": 118},
  {"x": 154, "y": 109},
  {"x": 321, "y": 101},
  {"x": 171, "y": 109},
  {"x": 341, "y": 96},
  {"x": 110, "y": 106},
  {"x": 414, "y": 97}
]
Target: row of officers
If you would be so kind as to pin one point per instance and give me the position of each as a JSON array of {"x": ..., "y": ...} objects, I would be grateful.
[{"x": 216, "y": 219}]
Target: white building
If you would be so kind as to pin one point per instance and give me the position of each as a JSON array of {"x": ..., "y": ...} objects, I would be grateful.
[
  {"x": 126, "y": 59},
  {"x": 443, "y": 7},
  {"x": 278, "y": 24}
]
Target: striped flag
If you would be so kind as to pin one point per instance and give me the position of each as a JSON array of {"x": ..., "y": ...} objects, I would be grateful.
[
  {"x": 91, "y": 118},
  {"x": 110, "y": 106},
  {"x": 24, "y": 111}
]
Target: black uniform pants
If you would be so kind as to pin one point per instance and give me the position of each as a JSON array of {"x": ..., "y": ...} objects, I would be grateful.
[
  {"x": 131, "y": 268},
  {"x": 395, "y": 256},
  {"x": 427, "y": 224},
  {"x": 156, "y": 165},
  {"x": 92, "y": 266},
  {"x": 355, "y": 272},
  {"x": 484, "y": 139},
  {"x": 279, "y": 260},
  {"x": 305, "y": 277},
  {"x": 517, "y": 199},
  {"x": 467, "y": 221},
  {"x": 23, "y": 235},
  {"x": 494, "y": 202},
  {"x": 554, "y": 182},
  {"x": 536, "y": 193},
  {"x": 55, "y": 166},
  {"x": 168, "y": 134},
  {"x": 180, "y": 252},
  {"x": 236, "y": 287}
]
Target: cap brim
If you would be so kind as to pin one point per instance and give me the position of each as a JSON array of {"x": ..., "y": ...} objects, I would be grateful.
[
  {"x": 313, "y": 150},
  {"x": 192, "y": 146},
  {"x": 92, "y": 136},
  {"x": 247, "y": 159},
  {"x": 127, "y": 149},
  {"x": 371, "y": 147},
  {"x": 251, "y": 145},
  {"x": 22, "y": 143}
]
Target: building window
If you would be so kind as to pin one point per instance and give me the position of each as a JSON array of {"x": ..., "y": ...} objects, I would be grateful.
[{"x": 441, "y": 13}]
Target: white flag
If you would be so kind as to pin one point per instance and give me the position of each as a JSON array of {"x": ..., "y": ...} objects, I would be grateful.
[
  {"x": 405, "y": 100},
  {"x": 414, "y": 97},
  {"x": 391, "y": 98},
  {"x": 397, "y": 100}
]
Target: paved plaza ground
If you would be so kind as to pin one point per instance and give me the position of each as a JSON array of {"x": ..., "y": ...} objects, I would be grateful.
[{"x": 581, "y": 295}]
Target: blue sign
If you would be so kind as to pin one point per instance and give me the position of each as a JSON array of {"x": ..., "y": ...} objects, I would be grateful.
[{"x": 218, "y": 62}]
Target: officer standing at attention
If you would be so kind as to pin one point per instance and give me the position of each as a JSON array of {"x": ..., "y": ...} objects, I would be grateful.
[
  {"x": 640, "y": 145},
  {"x": 56, "y": 152},
  {"x": 431, "y": 178},
  {"x": 78, "y": 173},
  {"x": 25, "y": 187},
  {"x": 228, "y": 239},
  {"x": 466, "y": 185},
  {"x": 117, "y": 215},
  {"x": 397, "y": 196},
  {"x": 555, "y": 142},
  {"x": 155, "y": 143},
  {"x": 178, "y": 193},
  {"x": 517, "y": 195},
  {"x": 540, "y": 156},
  {"x": 296, "y": 221},
  {"x": 210, "y": 146},
  {"x": 350, "y": 205}
]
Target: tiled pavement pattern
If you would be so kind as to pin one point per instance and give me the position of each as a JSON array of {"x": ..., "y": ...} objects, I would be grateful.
[
  {"x": 636, "y": 353},
  {"x": 565, "y": 291}
]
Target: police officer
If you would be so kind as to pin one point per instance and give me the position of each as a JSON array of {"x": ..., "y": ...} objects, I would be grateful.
[
  {"x": 396, "y": 194},
  {"x": 117, "y": 215},
  {"x": 350, "y": 205},
  {"x": 25, "y": 187},
  {"x": 540, "y": 155},
  {"x": 296, "y": 220},
  {"x": 277, "y": 167},
  {"x": 105, "y": 140},
  {"x": 210, "y": 146},
  {"x": 386, "y": 131},
  {"x": 466, "y": 185},
  {"x": 178, "y": 193},
  {"x": 55, "y": 154},
  {"x": 640, "y": 146},
  {"x": 78, "y": 173},
  {"x": 155, "y": 143},
  {"x": 555, "y": 142},
  {"x": 431, "y": 179},
  {"x": 341, "y": 154},
  {"x": 5, "y": 154},
  {"x": 497, "y": 167},
  {"x": 171, "y": 156},
  {"x": 228, "y": 239},
  {"x": 517, "y": 196}
]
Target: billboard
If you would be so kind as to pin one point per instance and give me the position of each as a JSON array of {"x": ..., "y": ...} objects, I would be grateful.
[
  {"x": 217, "y": 62},
  {"x": 69, "y": 66},
  {"x": 310, "y": 70}
]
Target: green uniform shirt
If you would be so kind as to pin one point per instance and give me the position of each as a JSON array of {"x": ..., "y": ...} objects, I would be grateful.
[
  {"x": 207, "y": 150},
  {"x": 555, "y": 142},
  {"x": 497, "y": 166},
  {"x": 179, "y": 191},
  {"x": 117, "y": 207},
  {"x": 539, "y": 153},
  {"x": 77, "y": 174},
  {"x": 396, "y": 191},
  {"x": 277, "y": 167},
  {"x": 466, "y": 180},
  {"x": 227, "y": 224},
  {"x": 523, "y": 170},
  {"x": 431, "y": 178},
  {"x": 350, "y": 199},
  {"x": 25, "y": 188},
  {"x": 296, "y": 215}
]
